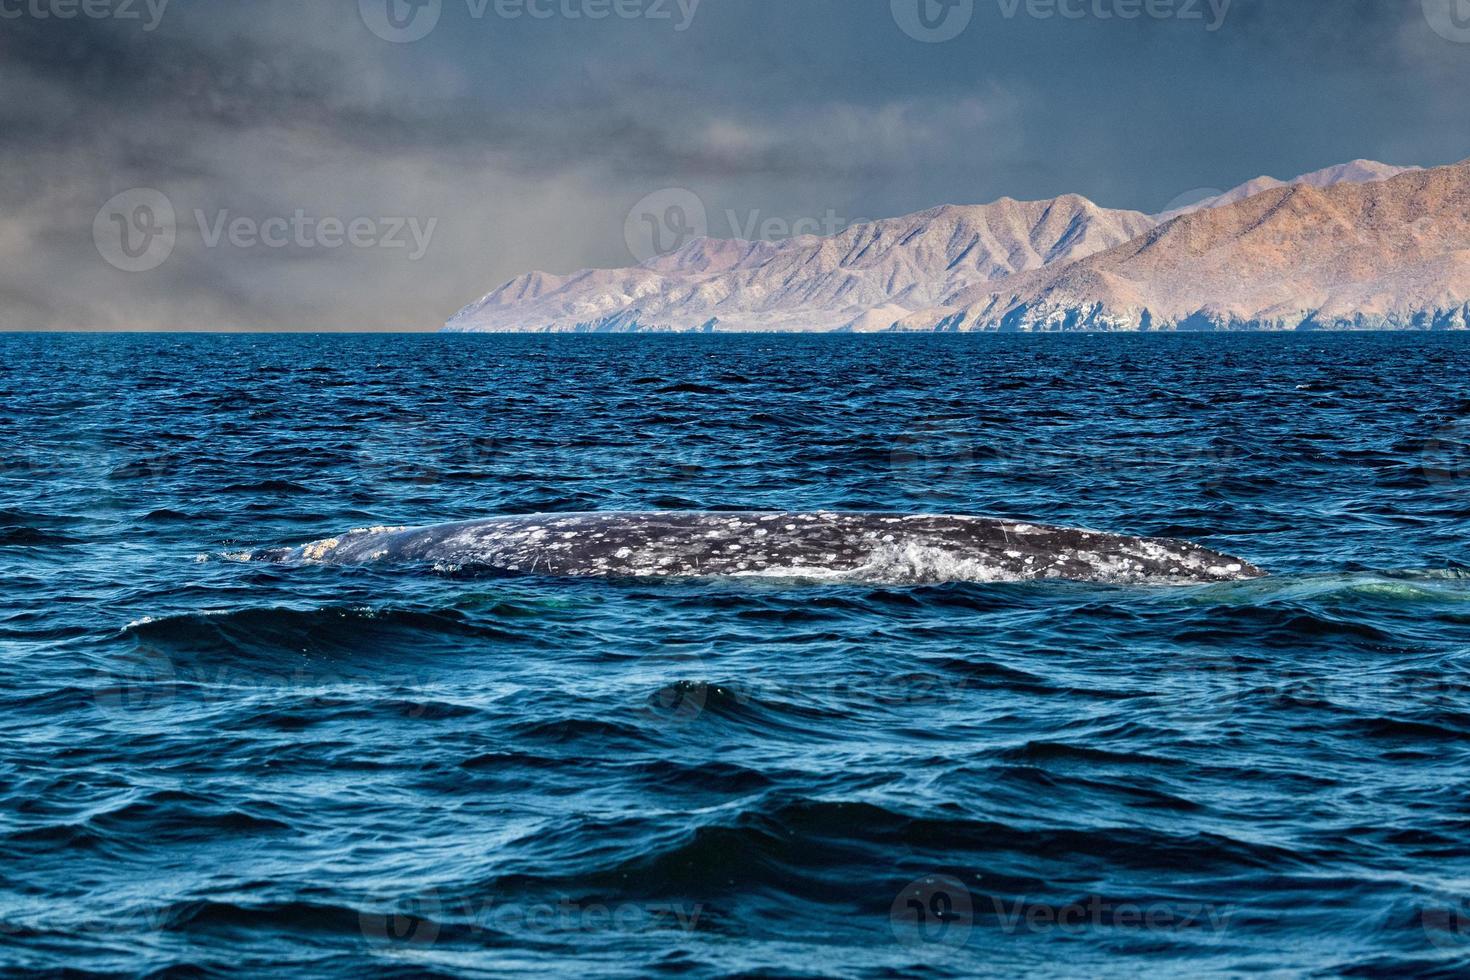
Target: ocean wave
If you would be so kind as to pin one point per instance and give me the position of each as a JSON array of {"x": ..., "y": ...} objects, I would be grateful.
[
  {"x": 22, "y": 536},
  {"x": 343, "y": 630},
  {"x": 220, "y": 766},
  {"x": 833, "y": 851}
]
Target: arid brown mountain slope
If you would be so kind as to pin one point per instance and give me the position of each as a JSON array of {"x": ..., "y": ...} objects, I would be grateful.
[
  {"x": 1348, "y": 246},
  {"x": 1388, "y": 254},
  {"x": 811, "y": 283}
]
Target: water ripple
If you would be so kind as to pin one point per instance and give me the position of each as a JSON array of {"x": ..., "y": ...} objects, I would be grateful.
[{"x": 215, "y": 766}]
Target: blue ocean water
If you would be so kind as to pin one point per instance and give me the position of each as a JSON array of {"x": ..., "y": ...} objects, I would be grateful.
[{"x": 211, "y": 766}]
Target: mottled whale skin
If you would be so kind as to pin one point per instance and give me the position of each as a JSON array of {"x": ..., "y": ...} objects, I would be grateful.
[{"x": 825, "y": 545}]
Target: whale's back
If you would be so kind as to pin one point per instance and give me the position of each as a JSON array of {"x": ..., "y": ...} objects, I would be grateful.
[{"x": 823, "y": 545}]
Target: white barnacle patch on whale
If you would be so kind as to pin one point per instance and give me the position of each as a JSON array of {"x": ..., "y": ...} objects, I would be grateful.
[{"x": 319, "y": 550}]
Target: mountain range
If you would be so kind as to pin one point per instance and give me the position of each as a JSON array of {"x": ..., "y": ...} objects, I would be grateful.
[
  {"x": 1362, "y": 245},
  {"x": 1356, "y": 172}
]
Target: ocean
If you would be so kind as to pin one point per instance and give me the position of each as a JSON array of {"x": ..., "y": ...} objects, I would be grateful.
[{"x": 213, "y": 766}]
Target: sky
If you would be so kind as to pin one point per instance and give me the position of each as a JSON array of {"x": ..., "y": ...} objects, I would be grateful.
[{"x": 379, "y": 164}]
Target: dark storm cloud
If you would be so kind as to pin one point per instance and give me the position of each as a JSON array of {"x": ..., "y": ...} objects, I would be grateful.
[
  {"x": 126, "y": 84},
  {"x": 525, "y": 140}
]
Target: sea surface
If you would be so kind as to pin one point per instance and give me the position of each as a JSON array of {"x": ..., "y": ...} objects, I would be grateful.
[{"x": 214, "y": 767}]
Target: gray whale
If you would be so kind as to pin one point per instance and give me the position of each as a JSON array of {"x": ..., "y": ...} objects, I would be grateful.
[{"x": 825, "y": 545}]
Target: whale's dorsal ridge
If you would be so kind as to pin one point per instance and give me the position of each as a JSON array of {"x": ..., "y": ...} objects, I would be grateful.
[{"x": 827, "y": 545}]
